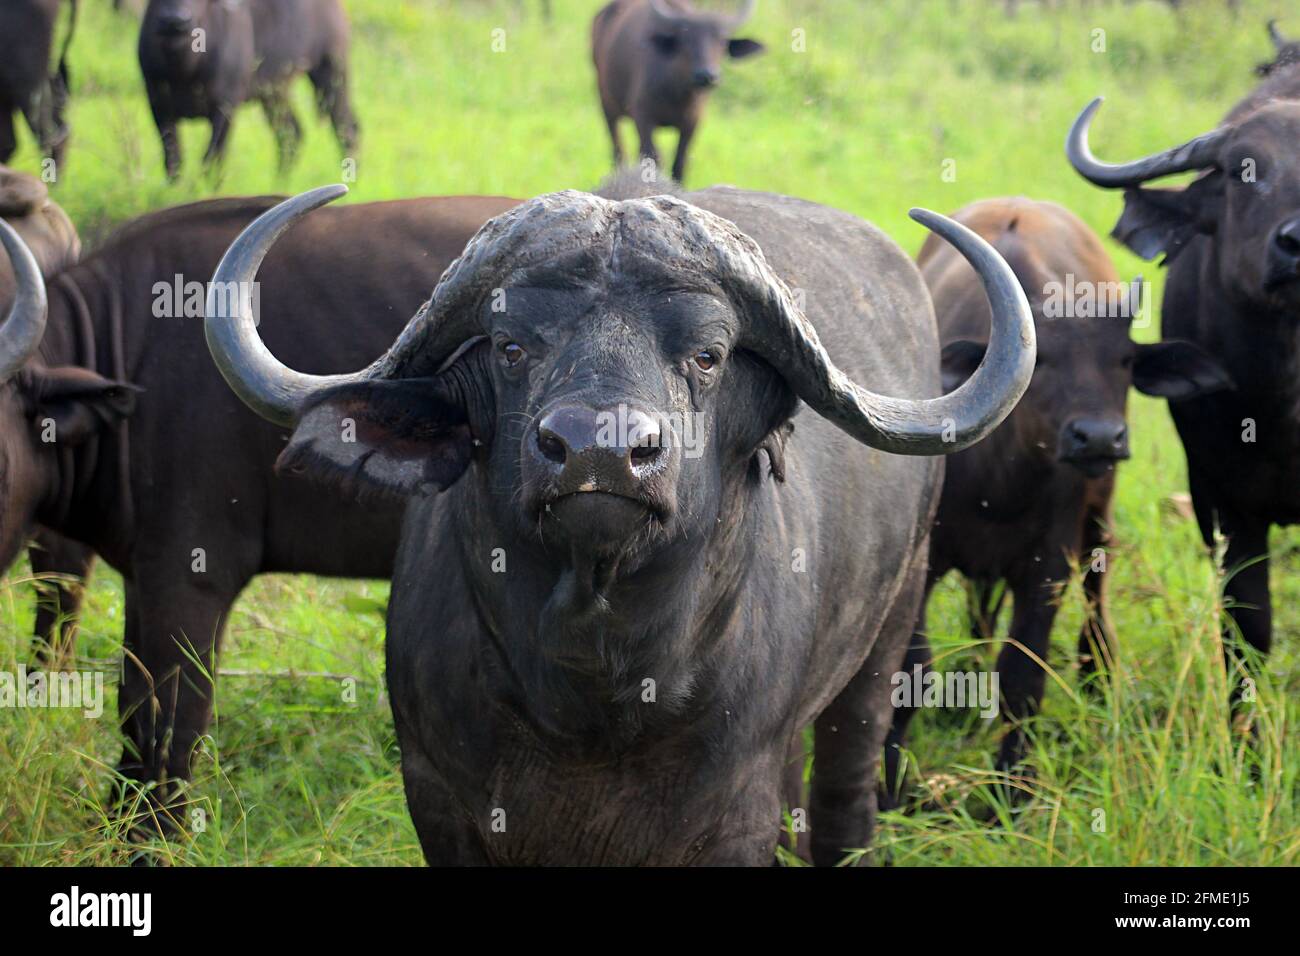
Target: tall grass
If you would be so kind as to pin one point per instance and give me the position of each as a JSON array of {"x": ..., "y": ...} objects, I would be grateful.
[{"x": 1144, "y": 771}]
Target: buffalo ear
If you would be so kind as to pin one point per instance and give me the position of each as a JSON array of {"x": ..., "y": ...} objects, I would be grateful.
[
  {"x": 1177, "y": 369},
  {"x": 738, "y": 48},
  {"x": 958, "y": 361},
  {"x": 78, "y": 401},
  {"x": 1165, "y": 220},
  {"x": 383, "y": 438}
]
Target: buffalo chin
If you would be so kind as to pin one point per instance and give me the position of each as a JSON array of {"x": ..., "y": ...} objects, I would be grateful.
[{"x": 597, "y": 522}]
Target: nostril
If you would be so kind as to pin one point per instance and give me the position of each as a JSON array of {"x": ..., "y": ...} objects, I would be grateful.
[
  {"x": 643, "y": 454},
  {"x": 551, "y": 446},
  {"x": 1121, "y": 435},
  {"x": 1079, "y": 434}
]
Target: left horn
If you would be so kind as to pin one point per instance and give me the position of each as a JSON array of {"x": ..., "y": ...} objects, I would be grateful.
[
  {"x": 938, "y": 426},
  {"x": 24, "y": 326},
  {"x": 1275, "y": 35},
  {"x": 1199, "y": 153}
]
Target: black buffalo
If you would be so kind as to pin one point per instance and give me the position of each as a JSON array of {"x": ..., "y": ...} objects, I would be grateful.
[
  {"x": 160, "y": 470},
  {"x": 646, "y": 573},
  {"x": 58, "y": 563},
  {"x": 203, "y": 58},
  {"x": 27, "y": 84},
  {"x": 1033, "y": 499},
  {"x": 657, "y": 61},
  {"x": 1231, "y": 239}
]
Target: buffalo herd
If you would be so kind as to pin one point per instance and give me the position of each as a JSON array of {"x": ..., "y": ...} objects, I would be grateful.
[{"x": 662, "y": 478}]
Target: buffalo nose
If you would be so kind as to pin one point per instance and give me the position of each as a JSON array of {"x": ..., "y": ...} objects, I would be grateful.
[
  {"x": 1286, "y": 240},
  {"x": 1090, "y": 438},
  {"x": 594, "y": 448},
  {"x": 179, "y": 22},
  {"x": 707, "y": 78}
]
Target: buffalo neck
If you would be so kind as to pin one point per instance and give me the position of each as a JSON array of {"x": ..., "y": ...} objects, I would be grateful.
[
  {"x": 620, "y": 657},
  {"x": 86, "y": 329}
]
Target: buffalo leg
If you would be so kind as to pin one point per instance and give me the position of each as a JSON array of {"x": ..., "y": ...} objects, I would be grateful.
[
  {"x": 56, "y": 562},
  {"x": 284, "y": 124},
  {"x": 850, "y": 733},
  {"x": 1020, "y": 675},
  {"x": 331, "y": 82},
  {"x": 1246, "y": 589},
  {"x": 173, "y": 634},
  {"x": 1096, "y": 643},
  {"x": 215, "y": 157},
  {"x": 1246, "y": 594},
  {"x": 611, "y": 121},
  {"x": 646, "y": 132},
  {"x": 165, "y": 120},
  {"x": 683, "y": 145}
]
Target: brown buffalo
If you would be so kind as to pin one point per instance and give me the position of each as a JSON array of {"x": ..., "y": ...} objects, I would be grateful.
[
  {"x": 57, "y": 562},
  {"x": 1034, "y": 497},
  {"x": 657, "y": 61},
  {"x": 27, "y": 84},
  {"x": 203, "y": 58}
]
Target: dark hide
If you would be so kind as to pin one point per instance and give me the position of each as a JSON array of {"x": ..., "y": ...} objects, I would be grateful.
[{"x": 1233, "y": 288}]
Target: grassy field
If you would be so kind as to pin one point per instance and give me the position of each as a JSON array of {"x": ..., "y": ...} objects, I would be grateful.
[{"x": 857, "y": 105}]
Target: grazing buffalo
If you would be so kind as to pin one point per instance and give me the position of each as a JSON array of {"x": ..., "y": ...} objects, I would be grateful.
[
  {"x": 26, "y": 83},
  {"x": 1033, "y": 498},
  {"x": 645, "y": 573},
  {"x": 26, "y": 205},
  {"x": 172, "y": 484},
  {"x": 1231, "y": 239},
  {"x": 657, "y": 61},
  {"x": 203, "y": 58}
]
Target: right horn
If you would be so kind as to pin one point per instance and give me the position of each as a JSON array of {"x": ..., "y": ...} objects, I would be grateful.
[
  {"x": 24, "y": 327},
  {"x": 1199, "y": 153}
]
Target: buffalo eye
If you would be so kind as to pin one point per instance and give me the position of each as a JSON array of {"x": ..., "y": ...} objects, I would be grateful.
[
  {"x": 705, "y": 360},
  {"x": 512, "y": 353},
  {"x": 665, "y": 43}
]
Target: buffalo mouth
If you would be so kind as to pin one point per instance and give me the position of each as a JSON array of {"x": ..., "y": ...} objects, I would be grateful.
[
  {"x": 598, "y": 520},
  {"x": 1096, "y": 466}
]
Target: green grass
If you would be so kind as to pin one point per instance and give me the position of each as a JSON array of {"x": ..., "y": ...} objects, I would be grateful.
[{"x": 863, "y": 119}]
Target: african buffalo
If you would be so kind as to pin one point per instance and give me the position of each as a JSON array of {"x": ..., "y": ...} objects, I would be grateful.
[
  {"x": 656, "y": 62},
  {"x": 203, "y": 58},
  {"x": 646, "y": 574},
  {"x": 1231, "y": 239},
  {"x": 48, "y": 233},
  {"x": 171, "y": 484},
  {"x": 1034, "y": 497},
  {"x": 26, "y": 82}
]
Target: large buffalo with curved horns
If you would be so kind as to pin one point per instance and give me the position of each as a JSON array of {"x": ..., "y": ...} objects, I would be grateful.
[
  {"x": 657, "y": 61},
  {"x": 1231, "y": 239},
  {"x": 632, "y": 570}
]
